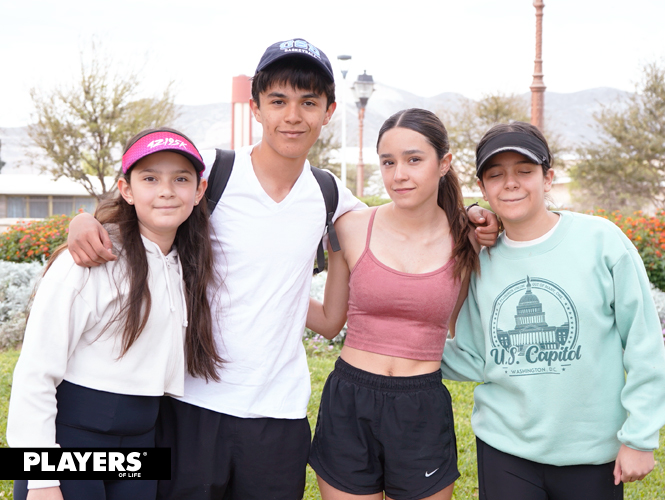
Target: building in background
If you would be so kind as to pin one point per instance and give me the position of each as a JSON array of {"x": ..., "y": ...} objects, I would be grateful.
[{"x": 31, "y": 196}]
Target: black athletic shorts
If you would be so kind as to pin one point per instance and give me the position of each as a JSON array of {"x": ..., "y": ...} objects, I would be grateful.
[
  {"x": 506, "y": 477},
  {"x": 392, "y": 434},
  {"x": 221, "y": 457}
]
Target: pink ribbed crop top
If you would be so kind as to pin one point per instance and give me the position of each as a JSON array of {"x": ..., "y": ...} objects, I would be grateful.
[{"x": 399, "y": 314}]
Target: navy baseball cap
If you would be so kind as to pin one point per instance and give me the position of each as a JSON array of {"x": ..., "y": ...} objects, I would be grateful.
[{"x": 299, "y": 48}]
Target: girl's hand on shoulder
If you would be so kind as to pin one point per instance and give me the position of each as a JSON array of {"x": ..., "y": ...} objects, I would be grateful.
[
  {"x": 52, "y": 493},
  {"x": 88, "y": 241},
  {"x": 632, "y": 465}
]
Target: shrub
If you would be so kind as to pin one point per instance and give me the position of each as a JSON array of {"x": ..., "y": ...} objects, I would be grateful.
[
  {"x": 374, "y": 201},
  {"x": 17, "y": 281},
  {"x": 647, "y": 232},
  {"x": 35, "y": 240}
]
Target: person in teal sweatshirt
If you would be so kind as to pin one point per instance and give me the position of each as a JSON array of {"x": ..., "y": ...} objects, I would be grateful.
[{"x": 560, "y": 328}]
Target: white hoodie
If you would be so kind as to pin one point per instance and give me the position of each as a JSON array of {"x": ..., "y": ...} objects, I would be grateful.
[{"x": 62, "y": 341}]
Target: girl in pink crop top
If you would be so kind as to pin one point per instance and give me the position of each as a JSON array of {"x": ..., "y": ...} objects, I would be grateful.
[
  {"x": 387, "y": 307},
  {"x": 398, "y": 277}
]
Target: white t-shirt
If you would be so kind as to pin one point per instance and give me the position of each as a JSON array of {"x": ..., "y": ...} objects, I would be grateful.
[
  {"x": 265, "y": 253},
  {"x": 530, "y": 243}
]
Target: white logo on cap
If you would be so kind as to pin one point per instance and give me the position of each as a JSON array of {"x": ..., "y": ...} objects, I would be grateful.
[
  {"x": 300, "y": 46},
  {"x": 169, "y": 141}
]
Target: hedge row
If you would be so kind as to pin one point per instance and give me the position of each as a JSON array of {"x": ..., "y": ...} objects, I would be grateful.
[{"x": 36, "y": 240}]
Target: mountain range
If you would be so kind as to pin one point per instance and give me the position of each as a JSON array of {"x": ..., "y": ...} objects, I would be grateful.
[{"x": 568, "y": 115}]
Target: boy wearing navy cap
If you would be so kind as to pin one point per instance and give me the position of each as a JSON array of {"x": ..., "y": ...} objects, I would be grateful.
[{"x": 247, "y": 436}]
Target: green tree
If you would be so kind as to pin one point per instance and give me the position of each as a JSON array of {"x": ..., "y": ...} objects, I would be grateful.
[
  {"x": 81, "y": 128},
  {"x": 626, "y": 167},
  {"x": 321, "y": 154},
  {"x": 467, "y": 126}
]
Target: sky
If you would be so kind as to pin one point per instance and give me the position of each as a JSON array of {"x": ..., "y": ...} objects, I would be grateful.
[{"x": 473, "y": 47}]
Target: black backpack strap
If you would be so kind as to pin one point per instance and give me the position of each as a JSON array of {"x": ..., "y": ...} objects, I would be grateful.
[
  {"x": 219, "y": 177},
  {"x": 331, "y": 196}
]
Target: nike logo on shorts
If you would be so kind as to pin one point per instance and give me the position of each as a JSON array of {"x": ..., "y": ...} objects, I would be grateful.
[{"x": 428, "y": 474}]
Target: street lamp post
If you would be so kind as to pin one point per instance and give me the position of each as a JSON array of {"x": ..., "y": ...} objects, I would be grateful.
[
  {"x": 344, "y": 62},
  {"x": 362, "y": 89}
]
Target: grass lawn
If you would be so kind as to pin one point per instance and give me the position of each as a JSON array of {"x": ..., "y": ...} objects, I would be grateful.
[{"x": 652, "y": 488}]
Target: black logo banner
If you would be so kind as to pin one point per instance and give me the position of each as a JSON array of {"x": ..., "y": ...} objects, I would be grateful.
[{"x": 85, "y": 463}]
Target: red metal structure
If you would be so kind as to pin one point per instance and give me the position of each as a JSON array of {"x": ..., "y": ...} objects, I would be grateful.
[{"x": 241, "y": 115}]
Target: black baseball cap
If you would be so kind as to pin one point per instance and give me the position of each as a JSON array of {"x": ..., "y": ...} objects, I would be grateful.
[
  {"x": 296, "y": 47},
  {"x": 520, "y": 142}
]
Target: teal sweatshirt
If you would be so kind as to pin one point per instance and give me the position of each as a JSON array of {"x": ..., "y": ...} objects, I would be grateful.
[{"x": 566, "y": 339}]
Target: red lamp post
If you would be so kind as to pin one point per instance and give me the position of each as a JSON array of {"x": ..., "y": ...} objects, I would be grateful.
[
  {"x": 538, "y": 86},
  {"x": 362, "y": 89}
]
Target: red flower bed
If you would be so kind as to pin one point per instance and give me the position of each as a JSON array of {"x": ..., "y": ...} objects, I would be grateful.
[
  {"x": 35, "y": 240},
  {"x": 647, "y": 232}
]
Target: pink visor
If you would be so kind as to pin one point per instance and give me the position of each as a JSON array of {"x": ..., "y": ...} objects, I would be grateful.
[{"x": 162, "y": 140}]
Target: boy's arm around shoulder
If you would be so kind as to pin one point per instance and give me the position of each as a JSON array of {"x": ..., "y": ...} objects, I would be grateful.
[
  {"x": 88, "y": 241},
  {"x": 464, "y": 354},
  {"x": 643, "y": 395}
]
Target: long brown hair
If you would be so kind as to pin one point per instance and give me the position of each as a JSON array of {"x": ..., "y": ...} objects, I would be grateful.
[
  {"x": 449, "y": 196},
  {"x": 192, "y": 242}
]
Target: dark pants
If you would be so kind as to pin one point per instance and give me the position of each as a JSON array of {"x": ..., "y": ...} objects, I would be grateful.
[
  {"x": 218, "y": 456},
  {"x": 506, "y": 477},
  {"x": 88, "y": 418}
]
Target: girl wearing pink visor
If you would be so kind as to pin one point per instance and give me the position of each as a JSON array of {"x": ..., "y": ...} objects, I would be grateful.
[{"x": 102, "y": 345}]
